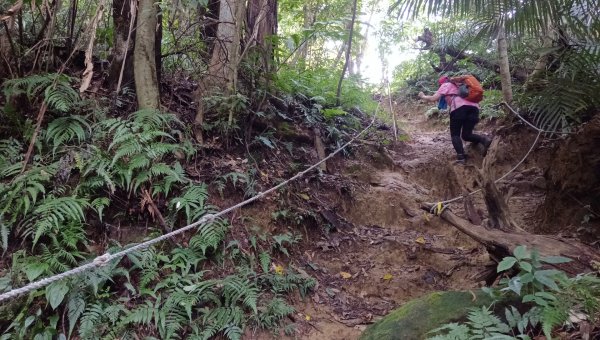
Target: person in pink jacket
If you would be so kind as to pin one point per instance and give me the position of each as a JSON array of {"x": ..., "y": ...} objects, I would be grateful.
[{"x": 464, "y": 115}]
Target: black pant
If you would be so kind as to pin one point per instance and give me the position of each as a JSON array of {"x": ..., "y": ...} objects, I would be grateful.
[{"x": 464, "y": 120}]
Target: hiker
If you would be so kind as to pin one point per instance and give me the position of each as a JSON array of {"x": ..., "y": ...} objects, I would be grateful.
[{"x": 464, "y": 115}]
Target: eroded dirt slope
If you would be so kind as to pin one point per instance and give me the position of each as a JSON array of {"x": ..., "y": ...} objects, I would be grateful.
[{"x": 385, "y": 250}]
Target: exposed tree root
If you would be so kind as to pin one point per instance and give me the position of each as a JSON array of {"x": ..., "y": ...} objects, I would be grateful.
[{"x": 500, "y": 244}]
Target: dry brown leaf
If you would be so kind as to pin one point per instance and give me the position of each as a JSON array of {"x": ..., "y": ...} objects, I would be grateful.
[
  {"x": 86, "y": 78},
  {"x": 346, "y": 275}
]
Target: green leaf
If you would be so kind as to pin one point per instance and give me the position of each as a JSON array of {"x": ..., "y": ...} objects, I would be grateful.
[
  {"x": 555, "y": 259},
  {"x": 55, "y": 293},
  {"x": 515, "y": 285},
  {"x": 34, "y": 269},
  {"x": 526, "y": 278},
  {"x": 506, "y": 264},
  {"x": 544, "y": 278},
  {"x": 526, "y": 266},
  {"x": 521, "y": 253}
]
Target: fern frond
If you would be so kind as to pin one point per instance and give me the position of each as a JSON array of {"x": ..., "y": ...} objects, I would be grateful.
[
  {"x": 90, "y": 321},
  {"x": 270, "y": 315},
  {"x": 192, "y": 202},
  {"x": 66, "y": 129},
  {"x": 75, "y": 307},
  {"x": 265, "y": 261},
  {"x": 209, "y": 235},
  {"x": 218, "y": 319},
  {"x": 51, "y": 213},
  {"x": 237, "y": 289},
  {"x": 56, "y": 88}
]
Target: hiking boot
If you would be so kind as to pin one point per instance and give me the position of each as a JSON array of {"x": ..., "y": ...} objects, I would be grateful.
[
  {"x": 461, "y": 159},
  {"x": 486, "y": 145}
]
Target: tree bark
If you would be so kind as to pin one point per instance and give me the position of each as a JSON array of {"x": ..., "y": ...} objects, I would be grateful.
[
  {"x": 146, "y": 80},
  {"x": 542, "y": 62},
  {"x": 223, "y": 66},
  {"x": 348, "y": 50},
  {"x": 120, "y": 72},
  {"x": 505, "y": 77}
]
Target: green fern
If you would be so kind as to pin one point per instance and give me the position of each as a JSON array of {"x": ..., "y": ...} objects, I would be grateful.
[
  {"x": 11, "y": 152},
  {"x": 138, "y": 147},
  {"x": 221, "y": 319},
  {"x": 19, "y": 197},
  {"x": 270, "y": 315},
  {"x": 50, "y": 214},
  {"x": 265, "y": 261},
  {"x": 56, "y": 89},
  {"x": 91, "y": 321},
  {"x": 236, "y": 288},
  {"x": 562, "y": 96},
  {"x": 66, "y": 129},
  {"x": 192, "y": 203},
  {"x": 209, "y": 235},
  {"x": 454, "y": 331},
  {"x": 75, "y": 307}
]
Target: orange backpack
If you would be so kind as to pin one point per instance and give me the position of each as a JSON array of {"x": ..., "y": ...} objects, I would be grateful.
[{"x": 469, "y": 88}]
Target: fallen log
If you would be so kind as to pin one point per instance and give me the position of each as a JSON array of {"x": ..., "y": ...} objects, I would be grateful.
[{"x": 501, "y": 244}]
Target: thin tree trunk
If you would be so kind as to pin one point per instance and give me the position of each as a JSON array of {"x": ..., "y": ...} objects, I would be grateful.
[
  {"x": 222, "y": 69},
  {"x": 121, "y": 65},
  {"x": 309, "y": 20},
  {"x": 72, "y": 18},
  {"x": 505, "y": 77},
  {"x": 144, "y": 61},
  {"x": 351, "y": 33},
  {"x": 158, "y": 50},
  {"x": 542, "y": 62}
]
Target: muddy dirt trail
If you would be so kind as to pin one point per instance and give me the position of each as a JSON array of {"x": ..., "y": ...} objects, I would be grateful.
[{"x": 385, "y": 251}]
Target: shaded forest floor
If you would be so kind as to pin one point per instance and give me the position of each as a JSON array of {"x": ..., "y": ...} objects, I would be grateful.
[{"x": 381, "y": 250}]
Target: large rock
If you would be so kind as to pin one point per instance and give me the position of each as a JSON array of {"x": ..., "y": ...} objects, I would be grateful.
[{"x": 416, "y": 318}]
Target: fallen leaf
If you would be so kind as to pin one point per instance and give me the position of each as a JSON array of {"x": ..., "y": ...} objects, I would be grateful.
[
  {"x": 388, "y": 276},
  {"x": 345, "y": 275},
  {"x": 426, "y": 217},
  {"x": 304, "y": 197},
  {"x": 420, "y": 240},
  {"x": 307, "y": 317}
]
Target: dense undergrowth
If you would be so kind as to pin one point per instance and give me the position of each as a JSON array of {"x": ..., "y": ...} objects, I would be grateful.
[
  {"x": 94, "y": 170},
  {"x": 540, "y": 300}
]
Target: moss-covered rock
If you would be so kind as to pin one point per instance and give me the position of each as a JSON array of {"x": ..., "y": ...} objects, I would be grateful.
[{"x": 417, "y": 317}]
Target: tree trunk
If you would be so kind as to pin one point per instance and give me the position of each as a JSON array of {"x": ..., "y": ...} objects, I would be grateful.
[
  {"x": 224, "y": 52},
  {"x": 146, "y": 81},
  {"x": 120, "y": 72},
  {"x": 224, "y": 61},
  {"x": 348, "y": 50},
  {"x": 309, "y": 20},
  {"x": 542, "y": 62},
  {"x": 158, "y": 50},
  {"x": 261, "y": 20},
  {"x": 504, "y": 65}
]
